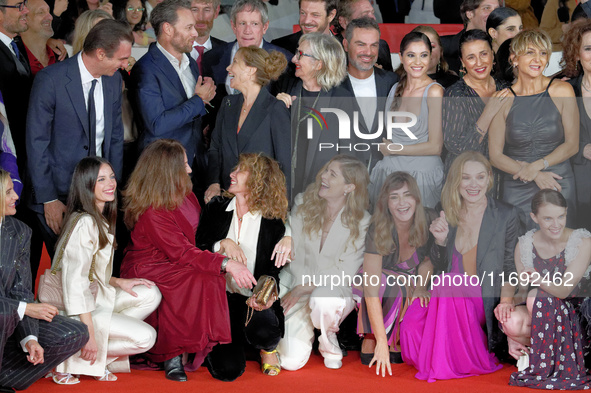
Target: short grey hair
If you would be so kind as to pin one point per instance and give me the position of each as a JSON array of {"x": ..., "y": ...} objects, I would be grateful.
[
  {"x": 251, "y": 6},
  {"x": 329, "y": 50},
  {"x": 361, "y": 23},
  {"x": 166, "y": 12}
]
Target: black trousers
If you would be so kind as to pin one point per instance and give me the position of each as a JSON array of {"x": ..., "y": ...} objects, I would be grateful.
[
  {"x": 59, "y": 339},
  {"x": 227, "y": 362}
]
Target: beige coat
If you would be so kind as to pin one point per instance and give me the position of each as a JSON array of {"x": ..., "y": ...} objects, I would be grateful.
[{"x": 75, "y": 266}]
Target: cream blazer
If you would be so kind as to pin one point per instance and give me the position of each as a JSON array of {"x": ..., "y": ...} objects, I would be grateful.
[
  {"x": 75, "y": 266},
  {"x": 339, "y": 256}
]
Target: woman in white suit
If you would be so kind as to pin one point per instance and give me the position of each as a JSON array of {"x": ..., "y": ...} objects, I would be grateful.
[
  {"x": 328, "y": 223},
  {"x": 85, "y": 254}
]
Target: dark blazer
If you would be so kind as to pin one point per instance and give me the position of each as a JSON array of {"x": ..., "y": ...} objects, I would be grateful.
[
  {"x": 451, "y": 50},
  {"x": 214, "y": 226},
  {"x": 15, "y": 87},
  {"x": 161, "y": 106},
  {"x": 58, "y": 130},
  {"x": 495, "y": 255},
  {"x": 288, "y": 42},
  {"x": 384, "y": 81},
  {"x": 265, "y": 130},
  {"x": 384, "y": 57}
]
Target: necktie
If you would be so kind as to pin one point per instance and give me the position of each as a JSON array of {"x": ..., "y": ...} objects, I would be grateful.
[
  {"x": 22, "y": 64},
  {"x": 200, "y": 49},
  {"x": 15, "y": 49},
  {"x": 92, "y": 120}
]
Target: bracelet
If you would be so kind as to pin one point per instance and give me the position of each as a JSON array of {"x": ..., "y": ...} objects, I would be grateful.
[
  {"x": 224, "y": 264},
  {"x": 480, "y": 131},
  {"x": 546, "y": 164}
]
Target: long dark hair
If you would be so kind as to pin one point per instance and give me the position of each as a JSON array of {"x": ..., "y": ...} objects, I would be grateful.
[
  {"x": 499, "y": 16},
  {"x": 81, "y": 198},
  {"x": 413, "y": 36}
]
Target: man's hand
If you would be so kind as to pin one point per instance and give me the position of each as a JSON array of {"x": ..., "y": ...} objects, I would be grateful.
[
  {"x": 54, "y": 215},
  {"x": 42, "y": 311},
  {"x": 35, "y": 355},
  {"x": 205, "y": 89}
]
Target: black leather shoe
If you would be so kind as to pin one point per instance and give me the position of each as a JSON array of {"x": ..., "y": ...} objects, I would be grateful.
[
  {"x": 174, "y": 370},
  {"x": 396, "y": 358},
  {"x": 5, "y": 389}
]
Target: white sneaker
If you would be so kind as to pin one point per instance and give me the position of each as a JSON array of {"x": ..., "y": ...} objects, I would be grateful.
[{"x": 334, "y": 364}]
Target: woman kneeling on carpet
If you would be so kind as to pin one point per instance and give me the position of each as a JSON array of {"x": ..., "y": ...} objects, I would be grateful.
[
  {"x": 112, "y": 308},
  {"x": 553, "y": 267},
  {"x": 246, "y": 224},
  {"x": 163, "y": 215},
  {"x": 328, "y": 224}
]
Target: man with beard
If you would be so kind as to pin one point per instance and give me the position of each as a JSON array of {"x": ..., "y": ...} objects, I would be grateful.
[
  {"x": 367, "y": 84},
  {"x": 166, "y": 89},
  {"x": 205, "y": 12},
  {"x": 315, "y": 17},
  {"x": 40, "y": 55}
]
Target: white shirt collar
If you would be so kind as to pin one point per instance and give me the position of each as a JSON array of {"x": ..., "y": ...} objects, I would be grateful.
[
  {"x": 6, "y": 40},
  {"x": 361, "y": 80},
  {"x": 173, "y": 60},
  {"x": 232, "y": 206},
  {"x": 207, "y": 44},
  {"x": 85, "y": 75}
]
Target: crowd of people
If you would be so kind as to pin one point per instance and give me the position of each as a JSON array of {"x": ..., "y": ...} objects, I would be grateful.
[{"x": 453, "y": 207}]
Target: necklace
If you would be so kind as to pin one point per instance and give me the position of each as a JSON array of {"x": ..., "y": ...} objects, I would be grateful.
[{"x": 585, "y": 87}]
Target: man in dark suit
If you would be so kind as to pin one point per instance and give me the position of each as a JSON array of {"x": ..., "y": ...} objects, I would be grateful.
[
  {"x": 474, "y": 14},
  {"x": 75, "y": 112},
  {"x": 316, "y": 16},
  {"x": 205, "y": 12},
  {"x": 168, "y": 93},
  {"x": 367, "y": 84},
  {"x": 355, "y": 9},
  {"x": 46, "y": 338}
]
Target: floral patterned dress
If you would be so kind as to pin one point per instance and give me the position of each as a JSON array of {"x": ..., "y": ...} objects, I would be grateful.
[{"x": 557, "y": 340}]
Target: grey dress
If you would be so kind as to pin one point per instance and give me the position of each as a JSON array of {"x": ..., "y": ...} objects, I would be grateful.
[{"x": 534, "y": 130}]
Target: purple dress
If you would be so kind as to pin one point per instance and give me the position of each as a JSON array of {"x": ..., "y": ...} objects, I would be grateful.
[
  {"x": 557, "y": 341},
  {"x": 447, "y": 339}
]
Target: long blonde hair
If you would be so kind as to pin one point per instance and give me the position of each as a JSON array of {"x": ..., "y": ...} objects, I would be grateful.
[
  {"x": 4, "y": 178},
  {"x": 451, "y": 200},
  {"x": 383, "y": 222},
  {"x": 313, "y": 208},
  {"x": 159, "y": 180},
  {"x": 84, "y": 24}
]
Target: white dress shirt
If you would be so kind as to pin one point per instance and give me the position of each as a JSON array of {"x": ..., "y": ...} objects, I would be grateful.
[
  {"x": 99, "y": 103},
  {"x": 6, "y": 40},
  {"x": 207, "y": 45},
  {"x": 366, "y": 94},
  {"x": 183, "y": 71}
]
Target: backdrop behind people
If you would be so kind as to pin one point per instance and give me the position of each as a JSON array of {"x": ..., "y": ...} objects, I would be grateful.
[{"x": 163, "y": 214}]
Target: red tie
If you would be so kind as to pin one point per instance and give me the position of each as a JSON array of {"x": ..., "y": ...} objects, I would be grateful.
[{"x": 200, "y": 49}]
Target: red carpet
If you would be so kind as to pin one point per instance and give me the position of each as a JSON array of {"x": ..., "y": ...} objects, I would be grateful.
[{"x": 314, "y": 377}]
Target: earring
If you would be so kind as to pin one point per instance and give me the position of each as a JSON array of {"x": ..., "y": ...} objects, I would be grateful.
[
  {"x": 439, "y": 66},
  {"x": 345, "y": 193},
  {"x": 462, "y": 71}
]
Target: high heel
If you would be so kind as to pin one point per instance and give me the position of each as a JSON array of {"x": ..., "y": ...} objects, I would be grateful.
[{"x": 271, "y": 369}]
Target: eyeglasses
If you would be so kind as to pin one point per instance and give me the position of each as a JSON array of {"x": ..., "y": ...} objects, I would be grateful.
[
  {"x": 131, "y": 9},
  {"x": 21, "y": 6},
  {"x": 299, "y": 55}
]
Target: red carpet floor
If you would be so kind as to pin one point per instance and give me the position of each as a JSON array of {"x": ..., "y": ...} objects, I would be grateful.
[{"x": 314, "y": 377}]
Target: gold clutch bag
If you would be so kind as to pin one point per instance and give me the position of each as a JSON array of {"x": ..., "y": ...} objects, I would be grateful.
[{"x": 265, "y": 290}]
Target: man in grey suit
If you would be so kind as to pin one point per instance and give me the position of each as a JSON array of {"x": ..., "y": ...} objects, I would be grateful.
[
  {"x": 33, "y": 338},
  {"x": 75, "y": 112}
]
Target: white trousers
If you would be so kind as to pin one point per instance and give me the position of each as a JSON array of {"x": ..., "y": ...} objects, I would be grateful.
[{"x": 323, "y": 310}]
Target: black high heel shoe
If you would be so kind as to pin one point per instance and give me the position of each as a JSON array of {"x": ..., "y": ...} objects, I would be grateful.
[{"x": 174, "y": 370}]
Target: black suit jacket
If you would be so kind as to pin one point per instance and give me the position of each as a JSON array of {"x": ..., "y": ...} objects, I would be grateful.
[
  {"x": 499, "y": 232},
  {"x": 451, "y": 50},
  {"x": 16, "y": 88},
  {"x": 265, "y": 130},
  {"x": 15, "y": 276},
  {"x": 288, "y": 42},
  {"x": 384, "y": 81}
]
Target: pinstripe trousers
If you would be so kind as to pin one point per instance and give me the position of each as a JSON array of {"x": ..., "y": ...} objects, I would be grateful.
[{"x": 60, "y": 339}]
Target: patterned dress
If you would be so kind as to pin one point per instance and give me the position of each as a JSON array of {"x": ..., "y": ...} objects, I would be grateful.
[{"x": 557, "y": 340}]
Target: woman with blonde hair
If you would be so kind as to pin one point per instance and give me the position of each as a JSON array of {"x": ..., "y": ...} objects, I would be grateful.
[
  {"x": 252, "y": 121},
  {"x": 397, "y": 244},
  {"x": 84, "y": 24},
  {"x": 245, "y": 225},
  {"x": 456, "y": 335},
  {"x": 163, "y": 214},
  {"x": 534, "y": 134},
  {"x": 328, "y": 222}
]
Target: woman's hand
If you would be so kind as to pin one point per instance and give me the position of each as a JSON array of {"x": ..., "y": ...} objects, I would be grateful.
[
  {"x": 422, "y": 294},
  {"x": 440, "y": 228},
  {"x": 107, "y": 7},
  {"x": 89, "y": 351},
  {"x": 59, "y": 7},
  {"x": 127, "y": 284},
  {"x": 381, "y": 358},
  {"x": 383, "y": 147},
  {"x": 529, "y": 171},
  {"x": 286, "y": 98},
  {"x": 282, "y": 251},
  {"x": 232, "y": 251},
  {"x": 503, "y": 311},
  {"x": 293, "y": 296},
  {"x": 548, "y": 180},
  {"x": 254, "y": 305},
  {"x": 240, "y": 274},
  {"x": 212, "y": 191},
  {"x": 36, "y": 351},
  {"x": 130, "y": 63},
  {"x": 516, "y": 349},
  {"x": 495, "y": 103}
]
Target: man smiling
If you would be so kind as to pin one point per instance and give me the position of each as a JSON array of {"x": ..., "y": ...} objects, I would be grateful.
[{"x": 35, "y": 38}]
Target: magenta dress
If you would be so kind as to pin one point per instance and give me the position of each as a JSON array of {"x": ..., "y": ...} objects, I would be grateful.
[{"x": 447, "y": 339}]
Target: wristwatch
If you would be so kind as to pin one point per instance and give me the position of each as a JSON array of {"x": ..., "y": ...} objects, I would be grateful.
[{"x": 224, "y": 264}]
